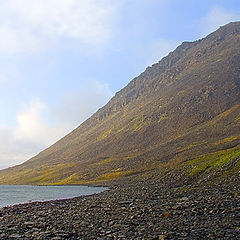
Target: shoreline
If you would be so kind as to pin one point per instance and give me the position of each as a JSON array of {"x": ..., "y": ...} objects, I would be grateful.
[
  {"x": 46, "y": 201},
  {"x": 54, "y": 199},
  {"x": 144, "y": 210}
]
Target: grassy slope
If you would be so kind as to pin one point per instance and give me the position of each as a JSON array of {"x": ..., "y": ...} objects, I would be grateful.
[
  {"x": 185, "y": 106},
  {"x": 186, "y": 158}
]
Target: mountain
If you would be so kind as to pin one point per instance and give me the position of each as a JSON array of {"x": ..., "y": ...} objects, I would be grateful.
[{"x": 181, "y": 113}]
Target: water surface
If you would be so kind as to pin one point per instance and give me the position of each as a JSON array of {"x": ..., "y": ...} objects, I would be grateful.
[{"x": 14, "y": 194}]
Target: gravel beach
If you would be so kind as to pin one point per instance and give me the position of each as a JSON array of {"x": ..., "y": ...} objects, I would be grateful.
[{"x": 146, "y": 210}]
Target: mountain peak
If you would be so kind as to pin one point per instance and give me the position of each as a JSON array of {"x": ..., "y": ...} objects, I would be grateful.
[{"x": 231, "y": 28}]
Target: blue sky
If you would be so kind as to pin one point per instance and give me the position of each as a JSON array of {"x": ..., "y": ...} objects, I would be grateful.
[{"x": 60, "y": 60}]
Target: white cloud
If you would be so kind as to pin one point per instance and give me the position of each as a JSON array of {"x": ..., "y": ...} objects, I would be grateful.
[
  {"x": 39, "y": 126},
  {"x": 29, "y": 25},
  {"x": 32, "y": 127},
  {"x": 216, "y": 18},
  {"x": 31, "y": 135},
  {"x": 13, "y": 151}
]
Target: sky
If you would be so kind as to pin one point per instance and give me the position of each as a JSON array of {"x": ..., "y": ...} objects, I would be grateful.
[{"x": 60, "y": 60}]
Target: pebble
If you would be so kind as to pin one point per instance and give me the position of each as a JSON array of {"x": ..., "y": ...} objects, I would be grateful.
[{"x": 143, "y": 210}]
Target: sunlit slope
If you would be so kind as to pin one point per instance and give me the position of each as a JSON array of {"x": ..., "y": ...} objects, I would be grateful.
[{"x": 184, "y": 106}]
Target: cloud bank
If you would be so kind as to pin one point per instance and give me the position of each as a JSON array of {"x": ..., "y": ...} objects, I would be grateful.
[
  {"x": 30, "y": 26},
  {"x": 38, "y": 126}
]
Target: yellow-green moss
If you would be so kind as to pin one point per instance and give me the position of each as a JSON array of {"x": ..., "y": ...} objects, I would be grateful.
[
  {"x": 223, "y": 115},
  {"x": 38, "y": 175},
  {"x": 72, "y": 179},
  {"x": 237, "y": 119},
  {"x": 181, "y": 92},
  {"x": 106, "y": 134},
  {"x": 120, "y": 130},
  {"x": 117, "y": 170},
  {"x": 194, "y": 144},
  {"x": 162, "y": 117},
  {"x": 226, "y": 140},
  {"x": 139, "y": 123},
  {"x": 105, "y": 161},
  {"x": 212, "y": 161},
  {"x": 51, "y": 174}
]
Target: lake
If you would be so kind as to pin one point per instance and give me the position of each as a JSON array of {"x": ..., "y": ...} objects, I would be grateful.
[{"x": 15, "y": 194}]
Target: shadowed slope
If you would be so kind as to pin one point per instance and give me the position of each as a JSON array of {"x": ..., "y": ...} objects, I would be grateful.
[{"x": 186, "y": 105}]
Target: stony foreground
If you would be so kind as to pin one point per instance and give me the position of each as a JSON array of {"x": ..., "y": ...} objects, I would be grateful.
[{"x": 142, "y": 211}]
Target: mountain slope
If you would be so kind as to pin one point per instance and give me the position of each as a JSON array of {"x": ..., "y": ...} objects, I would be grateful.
[{"x": 186, "y": 105}]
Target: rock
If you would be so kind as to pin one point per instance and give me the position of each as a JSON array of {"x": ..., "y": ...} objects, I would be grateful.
[
  {"x": 165, "y": 214},
  {"x": 184, "y": 199},
  {"x": 135, "y": 219},
  {"x": 161, "y": 237},
  {"x": 28, "y": 223},
  {"x": 15, "y": 236}
]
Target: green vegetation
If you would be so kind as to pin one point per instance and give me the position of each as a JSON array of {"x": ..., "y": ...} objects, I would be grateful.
[
  {"x": 237, "y": 120},
  {"x": 72, "y": 179},
  {"x": 120, "y": 130},
  {"x": 162, "y": 117},
  {"x": 40, "y": 175},
  {"x": 212, "y": 161},
  {"x": 51, "y": 174},
  {"x": 106, "y": 134},
  {"x": 226, "y": 140},
  {"x": 190, "y": 146},
  {"x": 105, "y": 161},
  {"x": 180, "y": 108},
  {"x": 224, "y": 115},
  {"x": 139, "y": 123}
]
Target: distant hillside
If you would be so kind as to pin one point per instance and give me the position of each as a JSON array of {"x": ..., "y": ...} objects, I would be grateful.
[{"x": 182, "y": 112}]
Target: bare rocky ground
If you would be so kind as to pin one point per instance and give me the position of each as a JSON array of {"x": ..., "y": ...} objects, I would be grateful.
[{"x": 143, "y": 210}]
